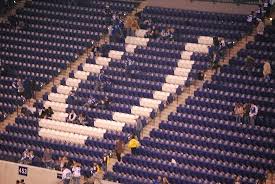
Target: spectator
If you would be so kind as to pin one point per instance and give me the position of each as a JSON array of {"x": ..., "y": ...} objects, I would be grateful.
[
  {"x": 26, "y": 111},
  {"x": 104, "y": 104},
  {"x": 62, "y": 161},
  {"x": 172, "y": 35},
  {"x": 165, "y": 34},
  {"x": 133, "y": 144},
  {"x": 238, "y": 111},
  {"x": 72, "y": 117},
  {"x": 18, "y": 85},
  {"x": 27, "y": 89},
  {"x": 215, "y": 60},
  {"x": 47, "y": 158},
  {"x": 249, "y": 18},
  {"x": 105, "y": 161},
  {"x": 267, "y": 70},
  {"x": 95, "y": 173},
  {"x": 253, "y": 113},
  {"x": 139, "y": 127},
  {"x": 66, "y": 175},
  {"x": 24, "y": 156},
  {"x": 260, "y": 27},
  {"x": 76, "y": 173},
  {"x": 119, "y": 149},
  {"x": 237, "y": 180},
  {"x": 158, "y": 180},
  {"x": 36, "y": 161},
  {"x": 128, "y": 22},
  {"x": 246, "y": 109},
  {"x": 49, "y": 112},
  {"x": 249, "y": 63},
  {"x": 165, "y": 181},
  {"x": 129, "y": 67},
  {"x": 91, "y": 103},
  {"x": 147, "y": 23},
  {"x": 173, "y": 161}
]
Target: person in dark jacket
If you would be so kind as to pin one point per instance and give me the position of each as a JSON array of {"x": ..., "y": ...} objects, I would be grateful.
[
  {"x": 27, "y": 89},
  {"x": 119, "y": 149}
]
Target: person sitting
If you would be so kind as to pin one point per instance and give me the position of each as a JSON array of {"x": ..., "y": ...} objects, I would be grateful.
[
  {"x": 91, "y": 103},
  {"x": 18, "y": 85},
  {"x": 105, "y": 102},
  {"x": 26, "y": 111},
  {"x": 49, "y": 113},
  {"x": 25, "y": 155},
  {"x": 72, "y": 117},
  {"x": 47, "y": 158},
  {"x": 165, "y": 34}
]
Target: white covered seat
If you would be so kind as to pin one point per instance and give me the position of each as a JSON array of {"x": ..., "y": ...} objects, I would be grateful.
[
  {"x": 92, "y": 68},
  {"x": 171, "y": 88},
  {"x": 136, "y": 40},
  {"x": 141, "y": 111},
  {"x": 56, "y": 97},
  {"x": 194, "y": 47},
  {"x": 109, "y": 125},
  {"x": 61, "y": 89},
  {"x": 173, "y": 79},
  {"x": 104, "y": 61},
  {"x": 72, "y": 128},
  {"x": 64, "y": 136},
  {"x": 115, "y": 54},
  {"x": 141, "y": 33},
  {"x": 151, "y": 103},
  {"x": 182, "y": 63},
  {"x": 207, "y": 40},
  {"x": 72, "y": 82},
  {"x": 81, "y": 75},
  {"x": 56, "y": 106},
  {"x": 186, "y": 55},
  {"x": 130, "y": 48},
  {"x": 125, "y": 118},
  {"x": 161, "y": 95}
]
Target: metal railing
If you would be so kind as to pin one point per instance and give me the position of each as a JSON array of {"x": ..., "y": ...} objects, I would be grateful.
[{"x": 238, "y": 2}]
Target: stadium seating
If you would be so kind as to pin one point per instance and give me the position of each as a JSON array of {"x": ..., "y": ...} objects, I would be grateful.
[{"x": 202, "y": 136}]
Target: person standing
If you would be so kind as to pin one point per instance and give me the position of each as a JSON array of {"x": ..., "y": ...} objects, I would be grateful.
[
  {"x": 47, "y": 158},
  {"x": 246, "y": 109},
  {"x": 105, "y": 162},
  {"x": 165, "y": 181},
  {"x": 253, "y": 113},
  {"x": 119, "y": 149},
  {"x": 66, "y": 175},
  {"x": 139, "y": 127},
  {"x": 133, "y": 144},
  {"x": 260, "y": 27},
  {"x": 238, "y": 111},
  {"x": 76, "y": 173},
  {"x": 267, "y": 70}
]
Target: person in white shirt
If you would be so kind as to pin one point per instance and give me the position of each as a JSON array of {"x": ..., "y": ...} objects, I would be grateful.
[
  {"x": 76, "y": 173},
  {"x": 66, "y": 175},
  {"x": 72, "y": 117},
  {"x": 253, "y": 113}
]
